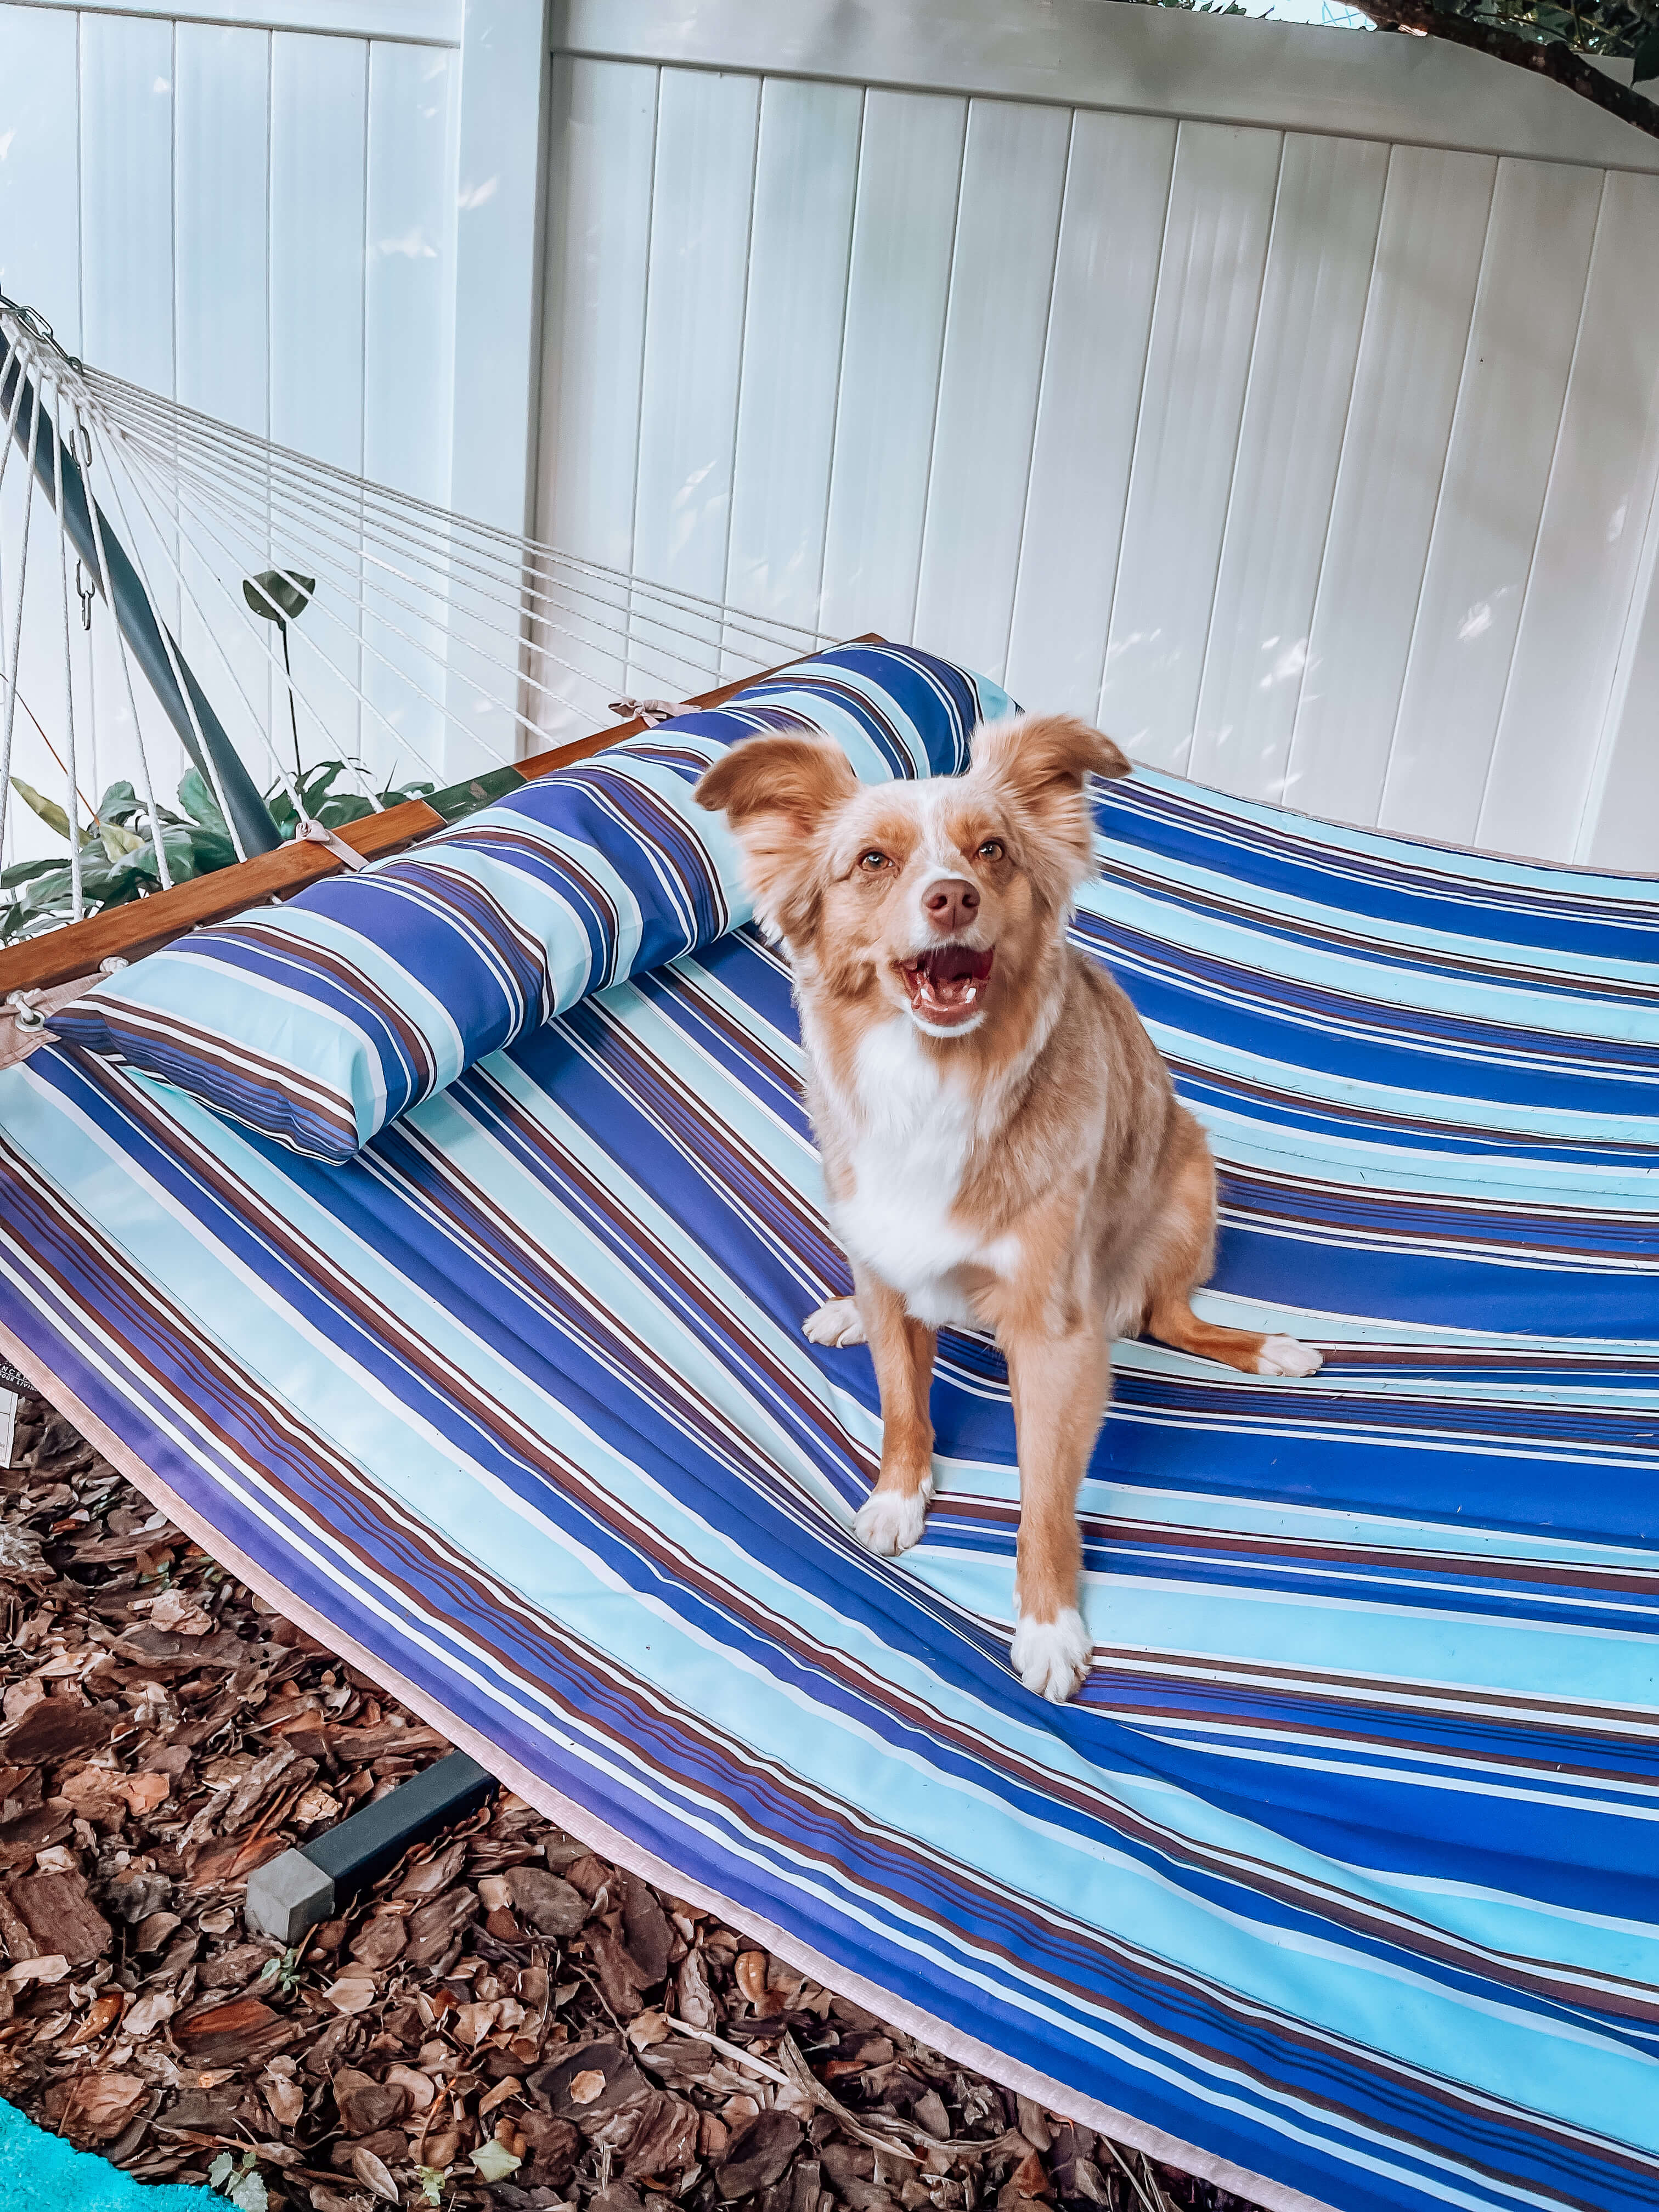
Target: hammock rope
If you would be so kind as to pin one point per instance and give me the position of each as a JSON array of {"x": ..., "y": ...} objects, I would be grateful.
[{"x": 422, "y": 636}]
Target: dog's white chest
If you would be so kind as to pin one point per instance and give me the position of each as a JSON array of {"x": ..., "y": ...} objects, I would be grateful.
[{"x": 907, "y": 1167}]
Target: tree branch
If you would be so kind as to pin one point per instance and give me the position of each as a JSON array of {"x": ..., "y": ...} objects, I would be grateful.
[{"x": 1549, "y": 57}]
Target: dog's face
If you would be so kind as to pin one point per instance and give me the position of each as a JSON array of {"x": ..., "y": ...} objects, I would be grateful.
[{"x": 941, "y": 900}]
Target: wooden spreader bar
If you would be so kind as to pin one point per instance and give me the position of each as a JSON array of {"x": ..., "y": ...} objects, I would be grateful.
[{"x": 127, "y": 933}]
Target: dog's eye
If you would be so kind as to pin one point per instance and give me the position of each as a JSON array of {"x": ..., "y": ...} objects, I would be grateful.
[
  {"x": 991, "y": 849},
  {"x": 873, "y": 860}
]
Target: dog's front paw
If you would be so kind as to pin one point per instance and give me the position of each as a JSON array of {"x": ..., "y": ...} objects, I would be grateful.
[
  {"x": 892, "y": 1520},
  {"x": 1282, "y": 1355},
  {"x": 834, "y": 1323},
  {"x": 1052, "y": 1657}
]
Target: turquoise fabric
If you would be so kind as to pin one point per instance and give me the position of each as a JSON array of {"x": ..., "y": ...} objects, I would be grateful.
[{"x": 40, "y": 2173}]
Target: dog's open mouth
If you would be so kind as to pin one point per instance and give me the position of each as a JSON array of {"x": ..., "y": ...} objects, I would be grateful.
[{"x": 946, "y": 984}]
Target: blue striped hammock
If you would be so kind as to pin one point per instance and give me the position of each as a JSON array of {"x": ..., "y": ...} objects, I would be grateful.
[{"x": 1337, "y": 1884}]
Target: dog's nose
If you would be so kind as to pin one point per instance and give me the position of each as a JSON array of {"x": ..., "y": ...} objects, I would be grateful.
[{"x": 952, "y": 904}]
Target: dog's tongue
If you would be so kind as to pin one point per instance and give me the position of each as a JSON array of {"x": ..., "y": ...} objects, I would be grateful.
[
  {"x": 947, "y": 981},
  {"x": 954, "y": 963}
]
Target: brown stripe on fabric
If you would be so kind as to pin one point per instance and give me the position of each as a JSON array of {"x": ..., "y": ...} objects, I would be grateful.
[
  {"x": 1572, "y": 979},
  {"x": 558, "y": 862},
  {"x": 218, "y": 1052},
  {"x": 1109, "y": 1529},
  {"x": 1638, "y": 1719},
  {"x": 1191, "y": 1073},
  {"x": 1451, "y": 883},
  {"x": 454, "y": 909},
  {"x": 352, "y": 979}
]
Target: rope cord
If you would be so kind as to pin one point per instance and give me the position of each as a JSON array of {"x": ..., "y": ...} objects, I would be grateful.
[
  {"x": 77, "y": 895},
  {"x": 426, "y": 697},
  {"x": 772, "y": 632},
  {"x": 141, "y": 566},
  {"x": 304, "y": 497},
  {"x": 17, "y": 619}
]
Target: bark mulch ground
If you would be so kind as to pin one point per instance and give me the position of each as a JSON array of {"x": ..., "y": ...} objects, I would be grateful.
[{"x": 506, "y": 2021}]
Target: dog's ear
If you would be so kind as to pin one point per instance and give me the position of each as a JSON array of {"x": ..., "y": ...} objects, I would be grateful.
[
  {"x": 777, "y": 793},
  {"x": 1039, "y": 762}
]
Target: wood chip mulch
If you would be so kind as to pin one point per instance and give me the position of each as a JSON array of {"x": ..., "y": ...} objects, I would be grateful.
[{"x": 505, "y": 2021}]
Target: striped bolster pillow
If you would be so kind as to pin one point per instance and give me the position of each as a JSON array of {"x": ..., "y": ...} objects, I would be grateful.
[{"x": 318, "y": 1022}]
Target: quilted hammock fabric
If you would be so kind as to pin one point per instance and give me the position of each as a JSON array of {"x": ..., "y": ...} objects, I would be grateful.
[{"x": 1343, "y": 1871}]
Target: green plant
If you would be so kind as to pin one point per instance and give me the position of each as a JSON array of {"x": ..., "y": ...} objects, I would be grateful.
[
  {"x": 241, "y": 2182},
  {"x": 118, "y": 847},
  {"x": 281, "y": 596}
]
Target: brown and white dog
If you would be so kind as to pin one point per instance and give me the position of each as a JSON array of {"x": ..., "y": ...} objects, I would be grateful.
[{"x": 1002, "y": 1147}]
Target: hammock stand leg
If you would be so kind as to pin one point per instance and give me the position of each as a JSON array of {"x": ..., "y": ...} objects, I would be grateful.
[
  {"x": 304, "y": 1887},
  {"x": 157, "y": 654}
]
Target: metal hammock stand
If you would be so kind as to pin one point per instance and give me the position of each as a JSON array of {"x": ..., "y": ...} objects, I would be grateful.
[{"x": 177, "y": 549}]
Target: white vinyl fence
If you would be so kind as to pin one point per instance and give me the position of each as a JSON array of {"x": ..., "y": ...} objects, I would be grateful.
[
  {"x": 1286, "y": 398},
  {"x": 1289, "y": 398}
]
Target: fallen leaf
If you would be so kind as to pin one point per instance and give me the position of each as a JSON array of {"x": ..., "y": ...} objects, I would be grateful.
[
  {"x": 372, "y": 2174},
  {"x": 379, "y": 1941},
  {"x": 420, "y": 2087},
  {"x": 284, "y": 2097},
  {"x": 758, "y": 2153},
  {"x": 144, "y": 1792},
  {"x": 179, "y": 1613},
  {"x": 587, "y": 2086},
  {"x": 494, "y": 2161},
  {"x": 750, "y": 1971},
  {"x": 49, "y": 1970},
  {"x": 552, "y": 1907},
  {"x": 352, "y": 1993},
  {"x": 101, "y": 2106},
  {"x": 474, "y": 2021},
  {"x": 104, "y": 2012}
]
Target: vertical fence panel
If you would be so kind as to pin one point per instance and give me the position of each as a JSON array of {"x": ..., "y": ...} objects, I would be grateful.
[
  {"x": 909, "y": 169},
  {"x": 1111, "y": 232},
  {"x": 126, "y": 196},
  {"x": 701, "y": 204},
  {"x": 1578, "y": 595},
  {"x": 805, "y": 175},
  {"x": 1301, "y": 370},
  {"x": 604, "y": 126},
  {"x": 1001, "y": 283},
  {"x": 1435, "y": 213},
  {"x": 1502, "y": 441},
  {"x": 319, "y": 161},
  {"x": 221, "y": 256},
  {"x": 1204, "y": 323},
  {"x": 407, "y": 388},
  {"x": 40, "y": 190}
]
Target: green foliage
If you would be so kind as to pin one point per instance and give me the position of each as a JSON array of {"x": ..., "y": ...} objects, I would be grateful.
[
  {"x": 118, "y": 848},
  {"x": 240, "y": 2182},
  {"x": 1622, "y": 28}
]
